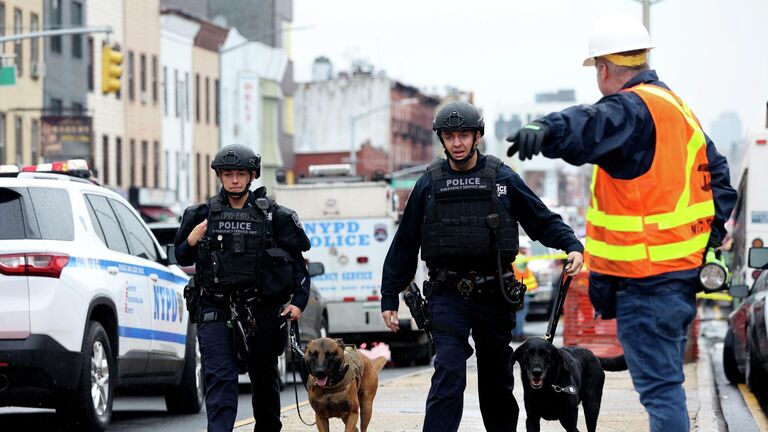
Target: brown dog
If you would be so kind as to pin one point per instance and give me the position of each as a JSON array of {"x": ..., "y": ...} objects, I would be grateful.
[{"x": 342, "y": 383}]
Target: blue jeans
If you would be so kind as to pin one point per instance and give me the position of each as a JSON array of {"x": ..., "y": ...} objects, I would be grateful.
[{"x": 652, "y": 325}]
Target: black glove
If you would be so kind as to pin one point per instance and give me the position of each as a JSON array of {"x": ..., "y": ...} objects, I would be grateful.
[{"x": 528, "y": 140}]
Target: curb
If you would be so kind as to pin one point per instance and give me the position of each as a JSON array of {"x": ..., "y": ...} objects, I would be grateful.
[{"x": 709, "y": 417}]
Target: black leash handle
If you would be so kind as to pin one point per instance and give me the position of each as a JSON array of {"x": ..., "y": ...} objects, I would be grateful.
[{"x": 562, "y": 291}]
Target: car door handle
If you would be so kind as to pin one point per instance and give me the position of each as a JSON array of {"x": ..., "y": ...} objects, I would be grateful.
[
  {"x": 153, "y": 277},
  {"x": 112, "y": 270}
]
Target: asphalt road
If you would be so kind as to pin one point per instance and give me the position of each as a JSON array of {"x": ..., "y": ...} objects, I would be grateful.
[{"x": 139, "y": 413}]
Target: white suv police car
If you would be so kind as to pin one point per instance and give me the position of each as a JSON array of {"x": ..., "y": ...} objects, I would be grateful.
[{"x": 88, "y": 301}]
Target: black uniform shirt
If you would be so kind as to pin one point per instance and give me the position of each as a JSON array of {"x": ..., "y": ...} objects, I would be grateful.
[
  {"x": 524, "y": 206},
  {"x": 285, "y": 230}
]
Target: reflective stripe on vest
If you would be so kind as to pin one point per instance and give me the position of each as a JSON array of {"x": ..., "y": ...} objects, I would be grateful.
[{"x": 644, "y": 228}]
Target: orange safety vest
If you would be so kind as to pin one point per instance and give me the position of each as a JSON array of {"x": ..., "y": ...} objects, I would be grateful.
[
  {"x": 660, "y": 221},
  {"x": 527, "y": 277}
]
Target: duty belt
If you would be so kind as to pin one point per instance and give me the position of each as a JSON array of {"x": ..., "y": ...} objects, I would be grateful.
[{"x": 468, "y": 283}]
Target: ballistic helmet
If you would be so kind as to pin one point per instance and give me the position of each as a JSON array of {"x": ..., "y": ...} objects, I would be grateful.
[
  {"x": 458, "y": 116},
  {"x": 236, "y": 157}
]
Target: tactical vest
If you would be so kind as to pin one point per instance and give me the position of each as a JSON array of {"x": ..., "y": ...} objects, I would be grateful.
[
  {"x": 232, "y": 251},
  {"x": 456, "y": 233}
]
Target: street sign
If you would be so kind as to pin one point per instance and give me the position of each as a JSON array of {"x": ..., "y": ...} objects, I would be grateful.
[
  {"x": 403, "y": 183},
  {"x": 8, "y": 75}
]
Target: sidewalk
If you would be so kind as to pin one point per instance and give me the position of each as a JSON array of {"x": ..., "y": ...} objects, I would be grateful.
[{"x": 399, "y": 404}]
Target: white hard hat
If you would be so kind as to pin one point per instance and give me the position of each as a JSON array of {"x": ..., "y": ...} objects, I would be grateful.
[{"x": 615, "y": 34}]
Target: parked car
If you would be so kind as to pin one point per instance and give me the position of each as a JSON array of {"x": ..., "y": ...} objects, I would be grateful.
[
  {"x": 313, "y": 322},
  {"x": 745, "y": 351},
  {"x": 89, "y": 301}
]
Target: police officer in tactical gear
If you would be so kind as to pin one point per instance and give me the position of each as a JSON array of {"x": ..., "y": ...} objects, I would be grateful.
[
  {"x": 463, "y": 215},
  {"x": 247, "y": 253}
]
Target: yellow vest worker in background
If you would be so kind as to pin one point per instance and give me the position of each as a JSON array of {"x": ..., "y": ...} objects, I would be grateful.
[
  {"x": 524, "y": 274},
  {"x": 660, "y": 197}
]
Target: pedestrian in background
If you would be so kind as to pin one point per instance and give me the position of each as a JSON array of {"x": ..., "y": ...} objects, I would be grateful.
[
  {"x": 660, "y": 198},
  {"x": 463, "y": 214},
  {"x": 247, "y": 255}
]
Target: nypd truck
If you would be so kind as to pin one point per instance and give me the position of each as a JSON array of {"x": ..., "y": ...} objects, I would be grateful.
[{"x": 350, "y": 225}]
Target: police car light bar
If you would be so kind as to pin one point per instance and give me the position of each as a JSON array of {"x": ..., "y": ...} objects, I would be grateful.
[
  {"x": 5, "y": 169},
  {"x": 75, "y": 167}
]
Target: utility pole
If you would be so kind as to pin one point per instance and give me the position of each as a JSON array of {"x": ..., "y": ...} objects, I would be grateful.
[{"x": 647, "y": 12}]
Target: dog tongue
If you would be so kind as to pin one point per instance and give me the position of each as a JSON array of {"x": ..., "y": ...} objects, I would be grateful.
[{"x": 321, "y": 381}]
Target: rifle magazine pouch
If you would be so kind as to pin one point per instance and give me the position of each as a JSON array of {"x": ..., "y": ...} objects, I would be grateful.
[{"x": 278, "y": 276}]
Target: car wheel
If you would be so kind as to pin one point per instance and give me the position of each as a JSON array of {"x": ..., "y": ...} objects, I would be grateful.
[
  {"x": 730, "y": 366},
  {"x": 755, "y": 375},
  {"x": 90, "y": 407},
  {"x": 188, "y": 397}
]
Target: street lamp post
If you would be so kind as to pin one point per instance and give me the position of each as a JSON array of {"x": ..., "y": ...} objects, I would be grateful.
[{"x": 356, "y": 117}]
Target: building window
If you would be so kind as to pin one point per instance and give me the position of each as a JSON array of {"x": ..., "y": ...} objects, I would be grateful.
[
  {"x": 131, "y": 94},
  {"x": 207, "y": 100},
  {"x": 154, "y": 79},
  {"x": 198, "y": 177},
  {"x": 207, "y": 175},
  {"x": 2, "y": 33},
  {"x": 167, "y": 169},
  {"x": 165, "y": 90},
  {"x": 34, "y": 46},
  {"x": 78, "y": 108},
  {"x": 34, "y": 131},
  {"x": 55, "y": 25},
  {"x": 18, "y": 28},
  {"x": 76, "y": 19},
  {"x": 132, "y": 158},
  {"x": 144, "y": 146},
  {"x": 143, "y": 78},
  {"x": 2, "y": 138},
  {"x": 197, "y": 98},
  {"x": 119, "y": 161},
  {"x": 105, "y": 158},
  {"x": 90, "y": 63},
  {"x": 186, "y": 94},
  {"x": 178, "y": 170},
  {"x": 156, "y": 163},
  {"x": 216, "y": 95},
  {"x": 176, "y": 91},
  {"x": 57, "y": 106},
  {"x": 19, "y": 139}
]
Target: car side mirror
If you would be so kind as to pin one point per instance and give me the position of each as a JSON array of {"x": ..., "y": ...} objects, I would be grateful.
[
  {"x": 170, "y": 251},
  {"x": 315, "y": 269},
  {"x": 739, "y": 291},
  {"x": 758, "y": 257}
]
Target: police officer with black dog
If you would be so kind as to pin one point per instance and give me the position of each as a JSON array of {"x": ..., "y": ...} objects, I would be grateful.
[
  {"x": 463, "y": 215},
  {"x": 247, "y": 253}
]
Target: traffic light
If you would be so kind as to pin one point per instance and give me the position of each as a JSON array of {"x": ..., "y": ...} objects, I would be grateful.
[{"x": 111, "y": 70}]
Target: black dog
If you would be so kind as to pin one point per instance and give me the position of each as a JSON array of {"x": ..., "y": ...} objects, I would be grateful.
[{"x": 556, "y": 380}]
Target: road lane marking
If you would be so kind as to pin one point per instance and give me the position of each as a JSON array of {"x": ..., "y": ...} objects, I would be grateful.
[{"x": 754, "y": 407}]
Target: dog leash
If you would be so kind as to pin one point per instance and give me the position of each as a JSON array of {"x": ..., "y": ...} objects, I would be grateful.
[
  {"x": 294, "y": 337},
  {"x": 562, "y": 291}
]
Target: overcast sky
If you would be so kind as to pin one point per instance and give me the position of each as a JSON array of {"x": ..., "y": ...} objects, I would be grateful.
[{"x": 713, "y": 53}]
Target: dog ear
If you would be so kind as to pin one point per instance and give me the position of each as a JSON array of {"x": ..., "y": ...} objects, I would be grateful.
[{"x": 341, "y": 343}]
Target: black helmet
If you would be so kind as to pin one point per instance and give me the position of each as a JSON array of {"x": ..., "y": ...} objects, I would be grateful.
[
  {"x": 236, "y": 156},
  {"x": 458, "y": 116}
]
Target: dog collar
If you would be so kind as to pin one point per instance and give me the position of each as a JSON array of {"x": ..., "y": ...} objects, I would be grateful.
[{"x": 571, "y": 390}]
